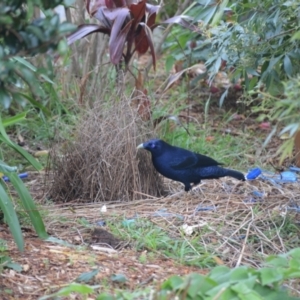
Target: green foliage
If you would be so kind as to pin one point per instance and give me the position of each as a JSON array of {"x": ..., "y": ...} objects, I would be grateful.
[
  {"x": 4, "y": 138},
  {"x": 283, "y": 110},
  {"x": 27, "y": 202},
  {"x": 146, "y": 235},
  {"x": 254, "y": 41},
  {"x": 72, "y": 288},
  {"x": 244, "y": 283},
  {"x": 21, "y": 36},
  {"x": 6, "y": 262}
]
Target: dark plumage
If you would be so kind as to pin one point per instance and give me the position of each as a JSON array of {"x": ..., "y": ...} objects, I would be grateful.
[{"x": 185, "y": 166}]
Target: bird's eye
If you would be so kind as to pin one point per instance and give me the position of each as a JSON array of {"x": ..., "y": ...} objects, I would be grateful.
[{"x": 153, "y": 146}]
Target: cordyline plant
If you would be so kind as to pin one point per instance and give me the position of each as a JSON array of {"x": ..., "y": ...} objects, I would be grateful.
[{"x": 129, "y": 22}]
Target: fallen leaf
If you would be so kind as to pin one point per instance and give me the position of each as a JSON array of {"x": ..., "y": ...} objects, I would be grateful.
[
  {"x": 26, "y": 267},
  {"x": 218, "y": 260},
  {"x": 119, "y": 278},
  {"x": 265, "y": 125},
  {"x": 209, "y": 138},
  {"x": 41, "y": 153}
]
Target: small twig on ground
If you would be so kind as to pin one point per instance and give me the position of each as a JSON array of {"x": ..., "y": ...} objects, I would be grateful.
[{"x": 244, "y": 244}]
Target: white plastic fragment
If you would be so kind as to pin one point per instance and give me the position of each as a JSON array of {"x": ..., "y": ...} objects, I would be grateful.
[
  {"x": 188, "y": 230},
  {"x": 103, "y": 209}
]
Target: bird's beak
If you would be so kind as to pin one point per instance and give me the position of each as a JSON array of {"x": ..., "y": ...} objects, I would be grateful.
[{"x": 140, "y": 146}]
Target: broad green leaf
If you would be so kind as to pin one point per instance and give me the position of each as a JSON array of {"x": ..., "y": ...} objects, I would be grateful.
[
  {"x": 121, "y": 278},
  {"x": 194, "y": 281},
  {"x": 66, "y": 28},
  {"x": 277, "y": 261},
  {"x": 28, "y": 204},
  {"x": 224, "y": 288},
  {"x": 240, "y": 273},
  {"x": 8, "y": 263},
  {"x": 31, "y": 67},
  {"x": 172, "y": 283},
  {"x": 6, "y": 168},
  {"x": 252, "y": 71},
  {"x": 169, "y": 63},
  {"x": 11, "y": 217},
  {"x": 72, "y": 288},
  {"x": 269, "y": 276},
  {"x": 35, "y": 30},
  {"x": 246, "y": 294},
  {"x": 7, "y": 20},
  {"x": 292, "y": 273},
  {"x": 273, "y": 61},
  {"x": 24, "y": 62},
  {"x": 296, "y": 36},
  {"x": 295, "y": 253},
  {"x": 14, "y": 266},
  {"x": 220, "y": 273},
  {"x": 220, "y": 12},
  {"x": 15, "y": 119},
  {"x": 105, "y": 296},
  {"x": 210, "y": 11},
  {"x": 62, "y": 47},
  {"x": 87, "y": 276},
  {"x": 295, "y": 264},
  {"x": 5, "y": 139}
]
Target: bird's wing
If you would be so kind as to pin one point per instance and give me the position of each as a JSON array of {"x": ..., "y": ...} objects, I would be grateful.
[{"x": 194, "y": 160}]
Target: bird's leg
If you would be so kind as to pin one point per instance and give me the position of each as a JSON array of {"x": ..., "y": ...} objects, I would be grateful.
[
  {"x": 187, "y": 186},
  {"x": 196, "y": 182}
]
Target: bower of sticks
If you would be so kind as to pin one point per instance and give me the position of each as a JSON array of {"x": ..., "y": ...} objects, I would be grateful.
[
  {"x": 102, "y": 177},
  {"x": 101, "y": 162}
]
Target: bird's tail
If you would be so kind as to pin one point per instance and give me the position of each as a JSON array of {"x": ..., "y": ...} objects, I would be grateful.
[{"x": 235, "y": 174}]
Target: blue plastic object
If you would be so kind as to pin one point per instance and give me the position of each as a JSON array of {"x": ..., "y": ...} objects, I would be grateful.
[
  {"x": 258, "y": 194},
  {"x": 253, "y": 174},
  {"x": 101, "y": 223},
  {"x": 294, "y": 169},
  {"x": 204, "y": 208},
  {"x": 250, "y": 200},
  {"x": 165, "y": 214},
  {"x": 286, "y": 176},
  {"x": 21, "y": 175}
]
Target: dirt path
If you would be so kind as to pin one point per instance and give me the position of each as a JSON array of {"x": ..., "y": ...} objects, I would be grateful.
[{"x": 47, "y": 267}]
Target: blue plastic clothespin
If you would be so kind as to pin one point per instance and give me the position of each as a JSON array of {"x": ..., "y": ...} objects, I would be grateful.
[
  {"x": 253, "y": 174},
  {"x": 21, "y": 175}
]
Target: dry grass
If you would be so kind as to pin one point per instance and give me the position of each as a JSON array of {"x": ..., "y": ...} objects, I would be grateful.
[
  {"x": 102, "y": 163},
  {"x": 229, "y": 224}
]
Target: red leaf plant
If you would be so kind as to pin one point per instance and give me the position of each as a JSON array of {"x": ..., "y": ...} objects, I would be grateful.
[{"x": 127, "y": 22}]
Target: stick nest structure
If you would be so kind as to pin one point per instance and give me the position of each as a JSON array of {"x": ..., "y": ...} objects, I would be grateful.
[{"x": 102, "y": 162}]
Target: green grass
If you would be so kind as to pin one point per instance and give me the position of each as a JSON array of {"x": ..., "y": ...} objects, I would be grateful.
[{"x": 145, "y": 235}]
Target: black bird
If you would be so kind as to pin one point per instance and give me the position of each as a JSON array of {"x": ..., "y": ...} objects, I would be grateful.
[{"x": 185, "y": 166}]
